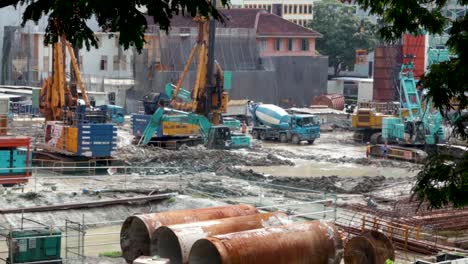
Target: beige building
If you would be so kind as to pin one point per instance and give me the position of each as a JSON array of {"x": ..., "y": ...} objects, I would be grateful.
[{"x": 296, "y": 11}]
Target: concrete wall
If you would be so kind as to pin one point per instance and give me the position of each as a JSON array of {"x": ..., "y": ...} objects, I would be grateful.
[
  {"x": 297, "y": 79},
  {"x": 91, "y": 60},
  {"x": 335, "y": 87},
  {"x": 365, "y": 91}
]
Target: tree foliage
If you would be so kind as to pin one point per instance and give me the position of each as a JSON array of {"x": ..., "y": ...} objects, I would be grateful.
[
  {"x": 444, "y": 178},
  {"x": 343, "y": 32},
  {"x": 69, "y": 17}
]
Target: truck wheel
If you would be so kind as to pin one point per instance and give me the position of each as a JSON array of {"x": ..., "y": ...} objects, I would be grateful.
[
  {"x": 263, "y": 135},
  {"x": 311, "y": 141},
  {"x": 376, "y": 138},
  {"x": 295, "y": 139},
  {"x": 255, "y": 134},
  {"x": 283, "y": 138}
]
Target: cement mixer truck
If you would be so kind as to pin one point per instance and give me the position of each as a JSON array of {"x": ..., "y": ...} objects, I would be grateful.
[{"x": 271, "y": 122}]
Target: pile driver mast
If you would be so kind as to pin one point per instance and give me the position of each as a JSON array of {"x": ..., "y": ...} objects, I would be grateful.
[
  {"x": 208, "y": 96},
  {"x": 55, "y": 95}
]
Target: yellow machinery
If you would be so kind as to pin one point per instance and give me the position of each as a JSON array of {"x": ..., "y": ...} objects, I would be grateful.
[
  {"x": 367, "y": 120},
  {"x": 55, "y": 95},
  {"x": 72, "y": 128},
  {"x": 208, "y": 96}
]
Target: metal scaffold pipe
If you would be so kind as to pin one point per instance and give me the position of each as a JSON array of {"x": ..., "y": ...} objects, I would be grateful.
[
  {"x": 315, "y": 242},
  {"x": 138, "y": 230},
  {"x": 174, "y": 242}
]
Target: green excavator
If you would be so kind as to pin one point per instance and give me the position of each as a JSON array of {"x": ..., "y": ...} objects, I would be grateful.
[{"x": 214, "y": 136}]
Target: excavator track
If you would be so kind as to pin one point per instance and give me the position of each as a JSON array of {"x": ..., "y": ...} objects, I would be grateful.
[{"x": 399, "y": 153}]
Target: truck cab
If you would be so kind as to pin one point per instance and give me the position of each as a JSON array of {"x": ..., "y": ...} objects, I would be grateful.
[{"x": 304, "y": 128}]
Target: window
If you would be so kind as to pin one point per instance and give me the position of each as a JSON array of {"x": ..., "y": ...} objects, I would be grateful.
[
  {"x": 310, "y": 9},
  {"x": 116, "y": 63},
  {"x": 305, "y": 44},
  {"x": 300, "y": 9},
  {"x": 290, "y": 44},
  {"x": 269, "y": 8},
  {"x": 263, "y": 45},
  {"x": 278, "y": 44},
  {"x": 123, "y": 63},
  {"x": 295, "y": 9},
  {"x": 45, "y": 64},
  {"x": 290, "y": 9},
  {"x": 103, "y": 64}
]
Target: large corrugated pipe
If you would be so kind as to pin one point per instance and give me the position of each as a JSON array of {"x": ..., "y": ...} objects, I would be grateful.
[
  {"x": 174, "y": 242},
  {"x": 370, "y": 247},
  {"x": 314, "y": 242},
  {"x": 137, "y": 230},
  {"x": 335, "y": 101}
]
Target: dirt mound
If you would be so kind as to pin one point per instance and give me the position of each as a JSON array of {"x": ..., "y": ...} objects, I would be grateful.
[{"x": 197, "y": 159}]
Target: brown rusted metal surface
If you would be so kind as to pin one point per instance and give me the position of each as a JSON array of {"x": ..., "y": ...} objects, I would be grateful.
[
  {"x": 3, "y": 125},
  {"x": 137, "y": 230},
  {"x": 174, "y": 242},
  {"x": 386, "y": 67},
  {"x": 316, "y": 242},
  {"x": 335, "y": 101},
  {"x": 370, "y": 247}
]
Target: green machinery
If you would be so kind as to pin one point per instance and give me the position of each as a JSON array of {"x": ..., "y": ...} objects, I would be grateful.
[
  {"x": 420, "y": 126},
  {"x": 214, "y": 137},
  {"x": 38, "y": 245}
]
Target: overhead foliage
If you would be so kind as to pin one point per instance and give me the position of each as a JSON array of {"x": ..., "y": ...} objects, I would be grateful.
[
  {"x": 343, "y": 32},
  {"x": 444, "y": 178},
  {"x": 69, "y": 17}
]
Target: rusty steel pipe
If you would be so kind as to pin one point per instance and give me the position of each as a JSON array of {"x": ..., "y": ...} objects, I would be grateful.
[
  {"x": 137, "y": 230},
  {"x": 315, "y": 242},
  {"x": 175, "y": 241},
  {"x": 370, "y": 247},
  {"x": 334, "y": 101}
]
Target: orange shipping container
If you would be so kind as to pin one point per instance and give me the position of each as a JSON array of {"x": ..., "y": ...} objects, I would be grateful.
[{"x": 416, "y": 46}]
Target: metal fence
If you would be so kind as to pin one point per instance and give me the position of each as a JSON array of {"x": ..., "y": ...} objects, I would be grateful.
[{"x": 82, "y": 238}]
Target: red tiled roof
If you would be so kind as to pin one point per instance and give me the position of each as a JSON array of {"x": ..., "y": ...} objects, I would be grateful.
[
  {"x": 273, "y": 25},
  {"x": 267, "y": 25}
]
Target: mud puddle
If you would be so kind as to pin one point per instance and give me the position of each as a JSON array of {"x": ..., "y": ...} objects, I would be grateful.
[{"x": 305, "y": 168}]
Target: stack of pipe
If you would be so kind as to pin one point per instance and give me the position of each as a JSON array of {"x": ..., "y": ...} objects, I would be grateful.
[
  {"x": 175, "y": 241},
  {"x": 230, "y": 234},
  {"x": 313, "y": 242},
  {"x": 137, "y": 230}
]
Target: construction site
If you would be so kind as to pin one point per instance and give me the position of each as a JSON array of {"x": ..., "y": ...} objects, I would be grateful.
[{"x": 219, "y": 143}]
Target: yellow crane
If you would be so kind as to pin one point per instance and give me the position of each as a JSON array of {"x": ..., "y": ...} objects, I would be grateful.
[
  {"x": 55, "y": 95},
  {"x": 208, "y": 95}
]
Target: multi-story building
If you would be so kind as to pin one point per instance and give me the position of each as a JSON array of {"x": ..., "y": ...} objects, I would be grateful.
[{"x": 296, "y": 11}]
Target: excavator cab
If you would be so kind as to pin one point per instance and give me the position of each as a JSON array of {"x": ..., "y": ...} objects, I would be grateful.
[{"x": 219, "y": 137}]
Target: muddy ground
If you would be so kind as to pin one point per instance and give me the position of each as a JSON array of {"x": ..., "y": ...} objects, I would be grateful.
[{"x": 334, "y": 164}]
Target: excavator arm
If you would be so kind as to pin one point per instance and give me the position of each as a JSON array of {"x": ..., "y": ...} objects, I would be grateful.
[{"x": 162, "y": 114}]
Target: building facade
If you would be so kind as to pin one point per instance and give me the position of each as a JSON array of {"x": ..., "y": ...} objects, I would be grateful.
[{"x": 299, "y": 12}]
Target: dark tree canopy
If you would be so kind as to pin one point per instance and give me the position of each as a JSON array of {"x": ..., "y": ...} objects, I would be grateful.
[
  {"x": 68, "y": 17},
  {"x": 444, "y": 178},
  {"x": 343, "y": 32}
]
